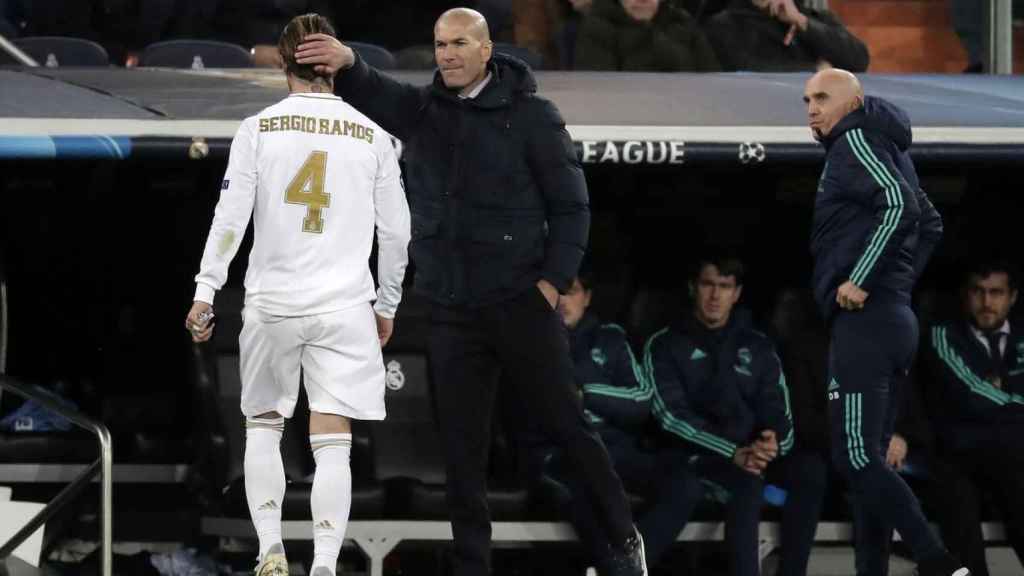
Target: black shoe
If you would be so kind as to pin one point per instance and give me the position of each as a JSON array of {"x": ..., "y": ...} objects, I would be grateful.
[
  {"x": 942, "y": 565},
  {"x": 628, "y": 560}
]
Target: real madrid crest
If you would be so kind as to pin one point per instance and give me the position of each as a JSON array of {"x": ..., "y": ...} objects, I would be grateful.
[{"x": 394, "y": 379}]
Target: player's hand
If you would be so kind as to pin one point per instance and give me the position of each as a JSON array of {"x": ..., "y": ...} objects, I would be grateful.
[
  {"x": 745, "y": 459},
  {"x": 786, "y": 12},
  {"x": 767, "y": 446},
  {"x": 385, "y": 327},
  {"x": 897, "y": 452},
  {"x": 199, "y": 321},
  {"x": 850, "y": 296},
  {"x": 549, "y": 291},
  {"x": 327, "y": 53}
]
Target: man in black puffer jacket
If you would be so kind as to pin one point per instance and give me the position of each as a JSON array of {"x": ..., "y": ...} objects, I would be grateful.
[
  {"x": 873, "y": 231},
  {"x": 500, "y": 219},
  {"x": 632, "y": 36}
]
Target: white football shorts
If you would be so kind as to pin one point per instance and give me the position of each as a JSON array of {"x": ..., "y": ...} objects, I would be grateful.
[{"x": 338, "y": 353}]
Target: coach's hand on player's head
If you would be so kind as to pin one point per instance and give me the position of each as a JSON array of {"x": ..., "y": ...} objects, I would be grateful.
[
  {"x": 198, "y": 323},
  {"x": 326, "y": 52},
  {"x": 385, "y": 326},
  {"x": 850, "y": 296}
]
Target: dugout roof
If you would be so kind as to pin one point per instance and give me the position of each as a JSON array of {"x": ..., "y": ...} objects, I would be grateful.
[{"x": 614, "y": 117}]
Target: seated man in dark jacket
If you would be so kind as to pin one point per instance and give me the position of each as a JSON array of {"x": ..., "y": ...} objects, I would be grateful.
[
  {"x": 975, "y": 400},
  {"x": 642, "y": 36},
  {"x": 721, "y": 400},
  {"x": 782, "y": 36}
]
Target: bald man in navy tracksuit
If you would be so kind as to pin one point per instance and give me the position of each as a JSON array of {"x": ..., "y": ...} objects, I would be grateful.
[{"x": 873, "y": 232}]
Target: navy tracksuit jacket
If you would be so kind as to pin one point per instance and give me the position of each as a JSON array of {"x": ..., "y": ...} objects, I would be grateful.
[{"x": 873, "y": 225}]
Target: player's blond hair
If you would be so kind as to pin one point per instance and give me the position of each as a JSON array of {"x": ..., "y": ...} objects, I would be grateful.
[{"x": 293, "y": 35}]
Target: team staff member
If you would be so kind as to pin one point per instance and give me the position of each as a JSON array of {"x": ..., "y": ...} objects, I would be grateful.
[
  {"x": 977, "y": 409},
  {"x": 720, "y": 399},
  {"x": 872, "y": 234},
  {"x": 500, "y": 222}
]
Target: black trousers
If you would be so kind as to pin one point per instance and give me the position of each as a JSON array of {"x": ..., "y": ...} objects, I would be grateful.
[
  {"x": 677, "y": 481},
  {"x": 522, "y": 341},
  {"x": 871, "y": 352},
  {"x": 805, "y": 474},
  {"x": 960, "y": 480}
]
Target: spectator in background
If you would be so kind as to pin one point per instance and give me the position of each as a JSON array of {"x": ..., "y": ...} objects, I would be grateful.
[
  {"x": 642, "y": 36},
  {"x": 976, "y": 394},
  {"x": 257, "y": 24},
  {"x": 616, "y": 401},
  {"x": 395, "y": 24},
  {"x": 782, "y": 36},
  {"x": 498, "y": 14},
  {"x": 721, "y": 400},
  {"x": 549, "y": 27},
  {"x": 968, "y": 18},
  {"x": 135, "y": 24}
]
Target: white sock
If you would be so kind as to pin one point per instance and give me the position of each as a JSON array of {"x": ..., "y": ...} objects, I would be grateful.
[
  {"x": 264, "y": 479},
  {"x": 331, "y": 498}
]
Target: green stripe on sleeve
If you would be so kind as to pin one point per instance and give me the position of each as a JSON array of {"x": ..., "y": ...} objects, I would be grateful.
[
  {"x": 894, "y": 200},
  {"x": 974, "y": 383}
]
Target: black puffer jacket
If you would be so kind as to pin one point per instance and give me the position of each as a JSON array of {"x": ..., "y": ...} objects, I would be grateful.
[
  {"x": 609, "y": 39},
  {"x": 497, "y": 194}
]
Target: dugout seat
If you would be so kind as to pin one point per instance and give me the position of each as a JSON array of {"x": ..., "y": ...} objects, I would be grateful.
[
  {"x": 54, "y": 51},
  {"x": 195, "y": 54},
  {"x": 408, "y": 455},
  {"x": 650, "y": 310},
  {"x": 416, "y": 58},
  {"x": 27, "y": 448},
  {"x": 373, "y": 54}
]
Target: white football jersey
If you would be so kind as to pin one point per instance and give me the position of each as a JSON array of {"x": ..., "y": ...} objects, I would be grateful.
[{"x": 317, "y": 177}]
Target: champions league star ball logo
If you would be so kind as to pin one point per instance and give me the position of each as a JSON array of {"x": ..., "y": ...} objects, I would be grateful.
[
  {"x": 751, "y": 152},
  {"x": 394, "y": 379}
]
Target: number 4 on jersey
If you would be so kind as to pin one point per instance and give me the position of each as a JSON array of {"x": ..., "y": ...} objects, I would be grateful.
[{"x": 308, "y": 188}]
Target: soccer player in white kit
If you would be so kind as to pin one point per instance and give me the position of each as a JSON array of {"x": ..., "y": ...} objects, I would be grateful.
[{"x": 318, "y": 178}]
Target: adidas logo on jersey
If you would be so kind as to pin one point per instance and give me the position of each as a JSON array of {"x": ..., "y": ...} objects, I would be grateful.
[
  {"x": 268, "y": 505},
  {"x": 698, "y": 354},
  {"x": 324, "y": 525}
]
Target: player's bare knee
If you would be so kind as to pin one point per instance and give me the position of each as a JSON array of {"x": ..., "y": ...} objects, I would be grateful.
[{"x": 321, "y": 423}]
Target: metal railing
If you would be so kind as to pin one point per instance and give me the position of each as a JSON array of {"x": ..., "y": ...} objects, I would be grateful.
[
  {"x": 16, "y": 53},
  {"x": 102, "y": 466},
  {"x": 3, "y": 327},
  {"x": 999, "y": 36}
]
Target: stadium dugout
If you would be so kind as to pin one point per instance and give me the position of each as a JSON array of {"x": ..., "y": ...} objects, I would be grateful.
[{"x": 736, "y": 122}]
